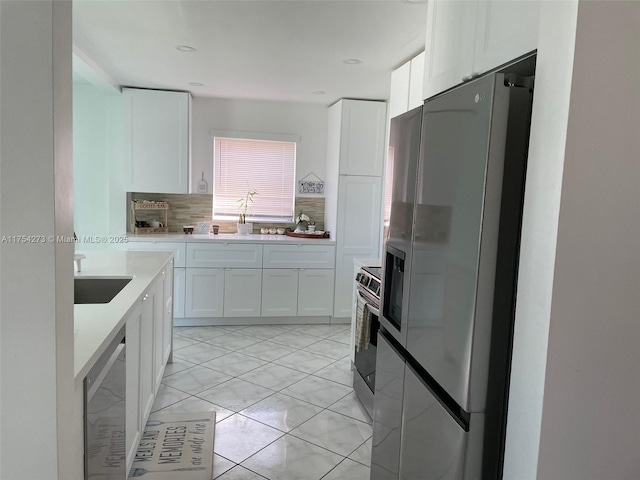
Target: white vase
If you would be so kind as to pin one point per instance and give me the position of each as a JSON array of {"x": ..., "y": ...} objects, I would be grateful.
[{"x": 245, "y": 228}]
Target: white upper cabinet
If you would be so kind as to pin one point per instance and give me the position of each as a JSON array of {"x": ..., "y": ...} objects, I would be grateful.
[
  {"x": 416, "y": 81},
  {"x": 504, "y": 31},
  {"x": 468, "y": 38},
  {"x": 399, "y": 95},
  {"x": 449, "y": 44},
  {"x": 362, "y": 129},
  {"x": 406, "y": 86},
  {"x": 157, "y": 140}
]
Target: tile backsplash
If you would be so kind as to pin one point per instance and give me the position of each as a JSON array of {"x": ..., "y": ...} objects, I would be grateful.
[{"x": 191, "y": 209}]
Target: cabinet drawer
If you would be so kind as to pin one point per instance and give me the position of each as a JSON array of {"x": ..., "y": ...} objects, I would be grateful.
[
  {"x": 179, "y": 249},
  {"x": 224, "y": 255},
  {"x": 299, "y": 256}
]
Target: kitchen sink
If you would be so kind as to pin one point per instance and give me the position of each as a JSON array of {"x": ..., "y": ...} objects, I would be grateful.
[{"x": 98, "y": 289}]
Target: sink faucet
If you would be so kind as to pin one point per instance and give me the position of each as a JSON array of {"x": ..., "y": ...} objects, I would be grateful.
[{"x": 77, "y": 257}]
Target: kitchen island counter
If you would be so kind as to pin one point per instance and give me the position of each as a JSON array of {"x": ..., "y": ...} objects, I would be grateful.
[{"x": 96, "y": 325}]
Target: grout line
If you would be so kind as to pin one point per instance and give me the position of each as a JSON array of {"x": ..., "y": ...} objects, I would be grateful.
[{"x": 334, "y": 361}]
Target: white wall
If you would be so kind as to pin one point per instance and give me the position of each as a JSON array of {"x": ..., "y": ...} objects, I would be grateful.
[
  {"x": 574, "y": 386},
  {"x": 304, "y": 119},
  {"x": 38, "y": 413},
  {"x": 591, "y": 423},
  {"x": 99, "y": 195},
  {"x": 539, "y": 231},
  {"x": 90, "y": 167}
]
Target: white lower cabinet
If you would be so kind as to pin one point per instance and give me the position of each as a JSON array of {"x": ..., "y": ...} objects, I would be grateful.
[
  {"x": 214, "y": 280},
  {"x": 279, "y": 292},
  {"x": 167, "y": 334},
  {"x": 133, "y": 421},
  {"x": 179, "y": 283},
  {"x": 204, "y": 295},
  {"x": 315, "y": 292},
  {"x": 149, "y": 340},
  {"x": 303, "y": 292},
  {"x": 147, "y": 358},
  {"x": 163, "y": 323},
  {"x": 242, "y": 292}
]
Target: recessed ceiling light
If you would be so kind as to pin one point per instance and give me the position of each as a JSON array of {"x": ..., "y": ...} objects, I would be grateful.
[
  {"x": 196, "y": 84},
  {"x": 319, "y": 92},
  {"x": 185, "y": 48},
  {"x": 352, "y": 61}
]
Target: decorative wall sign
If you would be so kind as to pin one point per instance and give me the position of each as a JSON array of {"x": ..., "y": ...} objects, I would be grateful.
[{"x": 311, "y": 184}]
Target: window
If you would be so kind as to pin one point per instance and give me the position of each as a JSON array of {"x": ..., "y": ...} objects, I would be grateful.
[{"x": 264, "y": 165}]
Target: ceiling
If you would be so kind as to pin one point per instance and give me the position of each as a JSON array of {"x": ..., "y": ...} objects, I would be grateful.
[{"x": 271, "y": 50}]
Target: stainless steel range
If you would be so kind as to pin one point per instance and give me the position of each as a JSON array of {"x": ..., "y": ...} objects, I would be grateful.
[{"x": 366, "y": 335}]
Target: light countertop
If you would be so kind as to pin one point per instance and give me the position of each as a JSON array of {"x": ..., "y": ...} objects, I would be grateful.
[
  {"x": 95, "y": 325},
  {"x": 367, "y": 262},
  {"x": 229, "y": 237}
]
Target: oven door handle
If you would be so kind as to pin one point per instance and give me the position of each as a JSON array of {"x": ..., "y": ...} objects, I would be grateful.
[{"x": 371, "y": 308}]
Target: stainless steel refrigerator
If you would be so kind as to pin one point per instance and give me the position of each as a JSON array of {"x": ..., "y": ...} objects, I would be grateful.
[{"x": 444, "y": 346}]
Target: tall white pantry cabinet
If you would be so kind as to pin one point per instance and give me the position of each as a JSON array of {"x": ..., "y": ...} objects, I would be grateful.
[{"x": 355, "y": 160}]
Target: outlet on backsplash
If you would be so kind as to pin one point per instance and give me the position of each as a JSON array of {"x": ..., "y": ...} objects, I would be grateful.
[{"x": 194, "y": 208}]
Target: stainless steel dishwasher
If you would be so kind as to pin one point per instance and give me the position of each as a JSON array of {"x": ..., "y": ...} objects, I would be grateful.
[{"x": 104, "y": 414}]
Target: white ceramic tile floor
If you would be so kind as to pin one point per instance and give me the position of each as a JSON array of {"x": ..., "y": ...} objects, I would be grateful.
[
  {"x": 283, "y": 399},
  {"x": 363, "y": 453}
]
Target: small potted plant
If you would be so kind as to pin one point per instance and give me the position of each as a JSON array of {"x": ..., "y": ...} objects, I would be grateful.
[{"x": 245, "y": 227}]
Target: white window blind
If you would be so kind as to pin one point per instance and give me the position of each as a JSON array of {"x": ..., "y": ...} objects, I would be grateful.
[{"x": 268, "y": 167}]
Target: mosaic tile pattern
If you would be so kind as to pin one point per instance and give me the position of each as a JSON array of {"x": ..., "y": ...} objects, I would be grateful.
[
  {"x": 191, "y": 209},
  {"x": 276, "y": 419}
]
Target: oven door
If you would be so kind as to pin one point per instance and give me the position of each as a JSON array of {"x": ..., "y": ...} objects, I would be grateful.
[{"x": 366, "y": 345}]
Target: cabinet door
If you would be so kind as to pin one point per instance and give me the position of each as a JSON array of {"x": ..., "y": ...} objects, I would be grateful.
[
  {"x": 156, "y": 141},
  {"x": 279, "y": 292},
  {"x": 358, "y": 232},
  {"x": 146, "y": 354},
  {"x": 133, "y": 420},
  {"x": 315, "y": 292},
  {"x": 204, "y": 292},
  {"x": 158, "y": 331},
  {"x": 344, "y": 284},
  {"x": 242, "y": 292},
  {"x": 399, "y": 95},
  {"x": 167, "y": 326},
  {"x": 449, "y": 44},
  {"x": 504, "y": 31},
  {"x": 179, "y": 282},
  {"x": 416, "y": 80},
  {"x": 359, "y": 215},
  {"x": 224, "y": 255},
  {"x": 299, "y": 256},
  {"x": 362, "y": 134}
]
